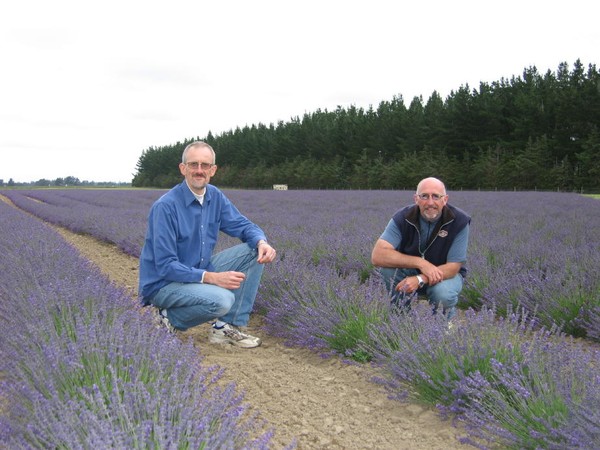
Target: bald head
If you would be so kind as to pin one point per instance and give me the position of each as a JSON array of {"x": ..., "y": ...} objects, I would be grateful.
[{"x": 431, "y": 183}]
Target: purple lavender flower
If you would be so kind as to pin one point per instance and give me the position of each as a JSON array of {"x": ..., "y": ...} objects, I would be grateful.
[
  {"x": 531, "y": 252},
  {"x": 84, "y": 366}
]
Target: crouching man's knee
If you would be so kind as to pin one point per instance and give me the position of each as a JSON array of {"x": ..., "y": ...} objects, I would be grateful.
[{"x": 446, "y": 294}]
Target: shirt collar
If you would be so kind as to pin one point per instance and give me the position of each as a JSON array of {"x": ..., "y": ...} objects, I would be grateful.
[{"x": 188, "y": 195}]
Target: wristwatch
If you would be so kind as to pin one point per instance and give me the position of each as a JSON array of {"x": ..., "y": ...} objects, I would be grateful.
[{"x": 421, "y": 282}]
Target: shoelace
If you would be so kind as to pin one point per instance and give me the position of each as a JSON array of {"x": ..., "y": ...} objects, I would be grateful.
[{"x": 234, "y": 334}]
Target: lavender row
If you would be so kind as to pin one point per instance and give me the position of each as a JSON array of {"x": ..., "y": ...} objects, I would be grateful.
[
  {"x": 83, "y": 365},
  {"x": 115, "y": 216},
  {"x": 509, "y": 383},
  {"x": 503, "y": 377},
  {"x": 504, "y": 381},
  {"x": 537, "y": 251},
  {"x": 530, "y": 249},
  {"x": 501, "y": 374}
]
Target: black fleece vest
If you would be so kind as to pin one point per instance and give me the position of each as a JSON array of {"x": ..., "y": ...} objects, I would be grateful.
[{"x": 435, "y": 251}]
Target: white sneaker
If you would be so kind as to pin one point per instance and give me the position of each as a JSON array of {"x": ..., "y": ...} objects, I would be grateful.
[
  {"x": 162, "y": 321},
  {"x": 451, "y": 327},
  {"x": 228, "y": 334}
]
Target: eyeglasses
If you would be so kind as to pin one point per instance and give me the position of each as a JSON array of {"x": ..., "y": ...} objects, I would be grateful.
[
  {"x": 194, "y": 165},
  {"x": 434, "y": 197}
]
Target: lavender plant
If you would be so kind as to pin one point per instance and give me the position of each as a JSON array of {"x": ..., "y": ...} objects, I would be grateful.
[
  {"x": 84, "y": 366},
  {"x": 526, "y": 255},
  {"x": 591, "y": 323},
  {"x": 313, "y": 307},
  {"x": 427, "y": 360},
  {"x": 506, "y": 380},
  {"x": 550, "y": 399}
]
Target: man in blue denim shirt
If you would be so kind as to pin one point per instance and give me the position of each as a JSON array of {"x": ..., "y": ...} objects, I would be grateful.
[
  {"x": 424, "y": 249},
  {"x": 179, "y": 274}
]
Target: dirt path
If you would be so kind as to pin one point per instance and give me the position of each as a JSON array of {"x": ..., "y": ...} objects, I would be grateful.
[{"x": 322, "y": 403}]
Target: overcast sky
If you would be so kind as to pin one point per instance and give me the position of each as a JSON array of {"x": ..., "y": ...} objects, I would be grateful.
[{"x": 85, "y": 87}]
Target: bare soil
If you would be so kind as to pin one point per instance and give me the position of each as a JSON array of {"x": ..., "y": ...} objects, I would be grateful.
[{"x": 322, "y": 403}]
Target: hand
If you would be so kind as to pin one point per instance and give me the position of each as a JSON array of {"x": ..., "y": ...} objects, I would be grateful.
[
  {"x": 408, "y": 285},
  {"x": 228, "y": 280},
  {"x": 433, "y": 274},
  {"x": 266, "y": 253}
]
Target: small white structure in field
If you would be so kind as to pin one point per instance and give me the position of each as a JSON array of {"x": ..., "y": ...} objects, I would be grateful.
[{"x": 280, "y": 187}]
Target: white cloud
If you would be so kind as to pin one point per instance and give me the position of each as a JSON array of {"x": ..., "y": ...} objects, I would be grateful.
[{"x": 85, "y": 88}]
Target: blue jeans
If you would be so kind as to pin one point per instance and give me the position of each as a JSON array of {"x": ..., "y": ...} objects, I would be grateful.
[
  {"x": 190, "y": 304},
  {"x": 444, "y": 293}
]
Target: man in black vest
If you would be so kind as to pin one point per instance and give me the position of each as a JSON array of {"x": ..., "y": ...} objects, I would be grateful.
[{"x": 423, "y": 249}]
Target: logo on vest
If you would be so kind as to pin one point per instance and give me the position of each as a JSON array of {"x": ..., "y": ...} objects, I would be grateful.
[{"x": 443, "y": 233}]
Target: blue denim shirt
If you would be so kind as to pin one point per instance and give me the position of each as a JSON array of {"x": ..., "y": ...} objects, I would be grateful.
[{"x": 182, "y": 235}]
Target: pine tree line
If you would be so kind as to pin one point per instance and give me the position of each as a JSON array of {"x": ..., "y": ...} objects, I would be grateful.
[{"x": 530, "y": 132}]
